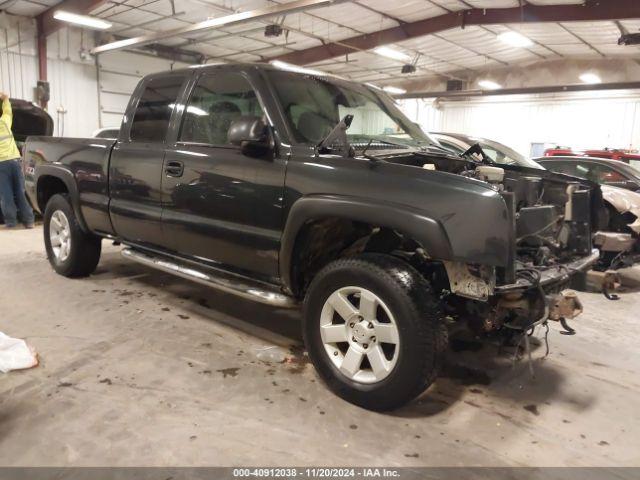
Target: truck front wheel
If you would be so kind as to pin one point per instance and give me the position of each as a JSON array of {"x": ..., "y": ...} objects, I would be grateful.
[
  {"x": 374, "y": 330},
  {"x": 71, "y": 251}
]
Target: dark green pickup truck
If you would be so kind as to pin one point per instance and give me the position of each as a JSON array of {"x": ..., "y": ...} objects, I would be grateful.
[{"x": 304, "y": 190}]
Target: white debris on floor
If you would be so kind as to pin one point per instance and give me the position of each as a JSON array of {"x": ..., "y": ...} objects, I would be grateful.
[{"x": 15, "y": 354}]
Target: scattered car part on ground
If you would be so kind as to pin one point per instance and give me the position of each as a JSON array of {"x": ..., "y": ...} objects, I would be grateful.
[
  {"x": 333, "y": 200},
  {"x": 15, "y": 354}
]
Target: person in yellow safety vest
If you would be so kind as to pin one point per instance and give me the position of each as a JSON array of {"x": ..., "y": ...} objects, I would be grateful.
[{"x": 12, "y": 198}]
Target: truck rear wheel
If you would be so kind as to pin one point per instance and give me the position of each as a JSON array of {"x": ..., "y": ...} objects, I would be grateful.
[
  {"x": 71, "y": 251},
  {"x": 374, "y": 330}
]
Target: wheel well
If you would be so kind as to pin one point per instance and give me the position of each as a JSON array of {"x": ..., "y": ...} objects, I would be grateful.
[
  {"x": 323, "y": 240},
  {"x": 48, "y": 186}
]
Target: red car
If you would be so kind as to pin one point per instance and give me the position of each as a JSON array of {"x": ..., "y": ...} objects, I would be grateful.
[{"x": 611, "y": 154}]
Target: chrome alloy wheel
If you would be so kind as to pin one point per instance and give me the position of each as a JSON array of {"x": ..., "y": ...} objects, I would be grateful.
[
  {"x": 359, "y": 334},
  {"x": 60, "y": 235}
]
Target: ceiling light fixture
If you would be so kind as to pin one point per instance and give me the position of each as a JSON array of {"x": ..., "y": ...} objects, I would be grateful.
[
  {"x": 273, "y": 30},
  {"x": 295, "y": 68},
  {"x": 515, "y": 39},
  {"x": 590, "y": 78},
  {"x": 489, "y": 85},
  {"x": 392, "y": 54},
  {"x": 394, "y": 90},
  {"x": 408, "y": 68},
  {"x": 83, "y": 20}
]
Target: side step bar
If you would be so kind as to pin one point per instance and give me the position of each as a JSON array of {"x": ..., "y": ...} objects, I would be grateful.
[{"x": 225, "y": 283}]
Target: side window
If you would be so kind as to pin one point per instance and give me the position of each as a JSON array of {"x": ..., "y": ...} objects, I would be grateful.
[
  {"x": 151, "y": 120},
  {"x": 596, "y": 173},
  {"x": 216, "y": 102},
  {"x": 608, "y": 175},
  {"x": 568, "y": 168}
]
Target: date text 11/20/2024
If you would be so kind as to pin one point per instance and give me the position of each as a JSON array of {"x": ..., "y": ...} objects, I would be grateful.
[{"x": 316, "y": 472}]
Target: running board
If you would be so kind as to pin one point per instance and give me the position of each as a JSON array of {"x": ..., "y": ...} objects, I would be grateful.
[{"x": 225, "y": 283}]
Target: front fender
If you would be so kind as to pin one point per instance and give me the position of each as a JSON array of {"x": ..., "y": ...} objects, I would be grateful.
[{"x": 411, "y": 222}]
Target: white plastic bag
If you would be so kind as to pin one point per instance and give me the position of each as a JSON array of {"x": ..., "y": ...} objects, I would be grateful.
[{"x": 15, "y": 354}]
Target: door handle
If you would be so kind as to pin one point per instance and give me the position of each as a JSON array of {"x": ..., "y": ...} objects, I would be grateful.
[{"x": 174, "y": 169}]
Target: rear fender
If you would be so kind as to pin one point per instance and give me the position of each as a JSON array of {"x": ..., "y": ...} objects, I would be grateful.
[{"x": 66, "y": 176}]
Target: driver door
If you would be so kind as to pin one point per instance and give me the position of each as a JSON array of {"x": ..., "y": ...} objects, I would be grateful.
[{"x": 219, "y": 205}]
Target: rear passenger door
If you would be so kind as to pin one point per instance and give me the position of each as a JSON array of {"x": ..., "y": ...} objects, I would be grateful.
[
  {"x": 221, "y": 206},
  {"x": 135, "y": 170}
]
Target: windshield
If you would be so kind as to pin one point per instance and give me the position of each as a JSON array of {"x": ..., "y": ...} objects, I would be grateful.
[
  {"x": 629, "y": 170},
  {"x": 314, "y": 105}
]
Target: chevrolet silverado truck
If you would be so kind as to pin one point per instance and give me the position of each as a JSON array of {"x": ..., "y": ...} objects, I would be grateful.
[{"x": 297, "y": 189}]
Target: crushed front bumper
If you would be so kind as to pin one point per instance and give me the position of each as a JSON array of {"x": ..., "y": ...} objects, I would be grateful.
[{"x": 553, "y": 275}]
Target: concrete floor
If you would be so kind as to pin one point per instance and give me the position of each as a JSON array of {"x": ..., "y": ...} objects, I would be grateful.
[{"x": 141, "y": 368}]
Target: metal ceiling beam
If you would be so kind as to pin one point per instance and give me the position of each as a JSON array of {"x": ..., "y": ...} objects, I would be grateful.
[
  {"x": 48, "y": 25},
  {"x": 582, "y": 40},
  {"x": 523, "y": 91},
  {"x": 527, "y": 13},
  {"x": 228, "y": 20}
]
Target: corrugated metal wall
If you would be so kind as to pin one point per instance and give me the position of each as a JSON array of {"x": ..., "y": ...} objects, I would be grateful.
[
  {"x": 119, "y": 73},
  {"x": 579, "y": 120},
  {"x": 79, "y": 104},
  {"x": 73, "y": 79},
  {"x": 18, "y": 66}
]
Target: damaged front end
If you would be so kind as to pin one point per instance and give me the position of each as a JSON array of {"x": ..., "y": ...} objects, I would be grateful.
[
  {"x": 550, "y": 251},
  {"x": 619, "y": 239},
  {"x": 520, "y": 272}
]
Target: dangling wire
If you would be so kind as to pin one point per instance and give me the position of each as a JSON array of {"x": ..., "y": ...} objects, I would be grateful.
[{"x": 546, "y": 339}]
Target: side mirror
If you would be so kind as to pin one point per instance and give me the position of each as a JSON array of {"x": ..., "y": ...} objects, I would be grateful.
[{"x": 252, "y": 135}]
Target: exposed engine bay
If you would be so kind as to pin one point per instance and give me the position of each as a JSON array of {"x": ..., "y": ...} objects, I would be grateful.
[{"x": 553, "y": 215}]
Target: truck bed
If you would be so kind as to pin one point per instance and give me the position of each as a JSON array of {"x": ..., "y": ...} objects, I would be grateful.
[{"x": 83, "y": 163}]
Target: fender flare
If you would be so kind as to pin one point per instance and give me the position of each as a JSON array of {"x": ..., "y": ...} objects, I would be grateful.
[
  {"x": 407, "y": 220},
  {"x": 67, "y": 177}
]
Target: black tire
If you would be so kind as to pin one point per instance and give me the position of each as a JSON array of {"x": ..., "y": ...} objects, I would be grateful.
[
  {"x": 419, "y": 319},
  {"x": 85, "y": 248}
]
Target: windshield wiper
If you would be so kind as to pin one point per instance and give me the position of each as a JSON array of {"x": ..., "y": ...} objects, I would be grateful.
[
  {"x": 388, "y": 141},
  {"x": 338, "y": 135}
]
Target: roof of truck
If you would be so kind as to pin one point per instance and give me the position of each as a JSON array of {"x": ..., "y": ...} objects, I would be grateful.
[{"x": 300, "y": 70}]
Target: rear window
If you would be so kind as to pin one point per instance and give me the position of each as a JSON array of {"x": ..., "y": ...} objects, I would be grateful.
[{"x": 151, "y": 120}]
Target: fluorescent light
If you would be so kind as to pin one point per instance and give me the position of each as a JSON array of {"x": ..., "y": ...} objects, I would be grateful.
[
  {"x": 295, "y": 68},
  {"x": 515, "y": 39},
  {"x": 391, "y": 53},
  {"x": 489, "y": 85},
  {"x": 196, "y": 111},
  {"x": 191, "y": 109},
  {"x": 83, "y": 20},
  {"x": 394, "y": 90},
  {"x": 590, "y": 78}
]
